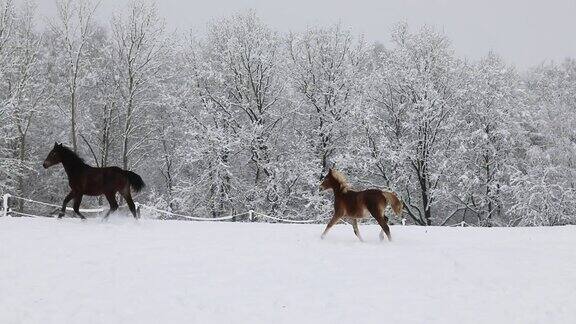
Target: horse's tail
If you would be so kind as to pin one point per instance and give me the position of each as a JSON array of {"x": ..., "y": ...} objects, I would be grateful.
[
  {"x": 394, "y": 202},
  {"x": 135, "y": 180}
]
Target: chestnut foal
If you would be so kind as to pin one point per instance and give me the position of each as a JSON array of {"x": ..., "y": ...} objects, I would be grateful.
[{"x": 355, "y": 205}]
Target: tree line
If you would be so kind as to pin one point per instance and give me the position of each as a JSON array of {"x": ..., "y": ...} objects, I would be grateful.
[{"x": 242, "y": 116}]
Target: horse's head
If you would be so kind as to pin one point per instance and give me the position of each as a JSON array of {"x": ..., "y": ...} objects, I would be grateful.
[
  {"x": 54, "y": 157},
  {"x": 329, "y": 181},
  {"x": 334, "y": 180}
]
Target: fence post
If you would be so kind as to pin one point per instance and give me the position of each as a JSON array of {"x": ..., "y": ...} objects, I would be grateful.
[
  {"x": 251, "y": 215},
  {"x": 5, "y": 204}
]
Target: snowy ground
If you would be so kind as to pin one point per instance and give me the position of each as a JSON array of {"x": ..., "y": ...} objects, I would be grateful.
[{"x": 189, "y": 272}]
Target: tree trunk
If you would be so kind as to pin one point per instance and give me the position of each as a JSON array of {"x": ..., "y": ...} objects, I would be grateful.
[
  {"x": 22, "y": 158},
  {"x": 73, "y": 120}
]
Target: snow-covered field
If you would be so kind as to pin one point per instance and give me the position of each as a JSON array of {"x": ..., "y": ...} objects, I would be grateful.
[{"x": 148, "y": 271}]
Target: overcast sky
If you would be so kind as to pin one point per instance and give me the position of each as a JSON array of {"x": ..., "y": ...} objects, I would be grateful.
[{"x": 524, "y": 32}]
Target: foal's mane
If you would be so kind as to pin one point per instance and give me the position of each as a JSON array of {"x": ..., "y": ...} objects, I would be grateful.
[
  {"x": 341, "y": 179},
  {"x": 69, "y": 155}
]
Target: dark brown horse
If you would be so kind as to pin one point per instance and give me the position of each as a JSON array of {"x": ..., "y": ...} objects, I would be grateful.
[
  {"x": 357, "y": 204},
  {"x": 86, "y": 180}
]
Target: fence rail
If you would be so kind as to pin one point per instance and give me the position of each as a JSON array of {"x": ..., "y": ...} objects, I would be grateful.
[
  {"x": 251, "y": 215},
  {"x": 93, "y": 210}
]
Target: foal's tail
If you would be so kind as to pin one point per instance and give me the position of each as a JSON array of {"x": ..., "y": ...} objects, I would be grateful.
[
  {"x": 394, "y": 202},
  {"x": 135, "y": 180}
]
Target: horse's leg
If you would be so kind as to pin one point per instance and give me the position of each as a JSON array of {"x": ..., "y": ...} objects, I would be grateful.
[
  {"x": 64, "y": 204},
  {"x": 354, "y": 222},
  {"x": 77, "y": 201},
  {"x": 333, "y": 221},
  {"x": 130, "y": 203},
  {"x": 111, "y": 197},
  {"x": 382, "y": 221}
]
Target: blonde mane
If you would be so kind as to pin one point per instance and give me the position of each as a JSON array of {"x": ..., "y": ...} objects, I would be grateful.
[{"x": 341, "y": 179}]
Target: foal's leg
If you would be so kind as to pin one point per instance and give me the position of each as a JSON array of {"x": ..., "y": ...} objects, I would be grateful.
[
  {"x": 130, "y": 203},
  {"x": 333, "y": 221},
  {"x": 382, "y": 221},
  {"x": 111, "y": 197},
  {"x": 354, "y": 222},
  {"x": 77, "y": 201},
  {"x": 64, "y": 204}
]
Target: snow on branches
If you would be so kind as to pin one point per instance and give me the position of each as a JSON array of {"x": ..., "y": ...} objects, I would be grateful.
[{"x": 245, "y": 117}]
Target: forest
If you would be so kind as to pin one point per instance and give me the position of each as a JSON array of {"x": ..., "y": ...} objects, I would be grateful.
[{"x": 242, "y": 116}]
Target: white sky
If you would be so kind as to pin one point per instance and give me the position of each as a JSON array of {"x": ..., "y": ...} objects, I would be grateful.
[{"x": 524, "y": 32}]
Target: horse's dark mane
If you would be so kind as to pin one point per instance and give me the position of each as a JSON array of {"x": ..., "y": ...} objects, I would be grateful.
[{"x": 70, "y": 156}]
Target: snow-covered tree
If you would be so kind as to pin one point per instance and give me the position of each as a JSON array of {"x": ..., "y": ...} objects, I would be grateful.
[
  {"x": 25, "y": 89},
  {"x": 139, "y": 52},
  {"x": 7, "y": 162},
  {"x": 326, "y": 67},
  {"x": 546, "y": 192},
  {"x": 72, "y": 32},
  {"x": 491, "y": 143},
  {"x": 418, "y": 91},
  {"x": 238, "y": 96}
]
